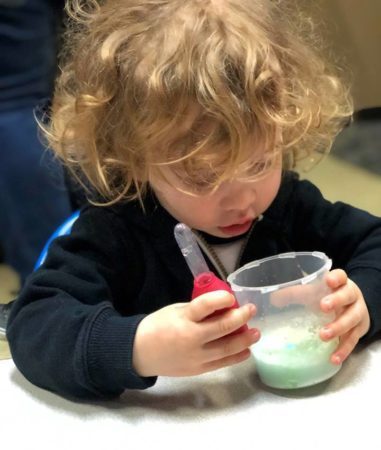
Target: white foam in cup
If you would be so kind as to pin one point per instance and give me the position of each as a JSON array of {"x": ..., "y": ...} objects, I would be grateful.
[{"x": 287, "y": 289}]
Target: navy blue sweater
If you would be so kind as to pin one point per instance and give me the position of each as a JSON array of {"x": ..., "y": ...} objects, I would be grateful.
[{"x": 73, "y": 325}]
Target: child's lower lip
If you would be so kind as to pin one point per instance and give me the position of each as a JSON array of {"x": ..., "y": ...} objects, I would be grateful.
[{"x": 234, "y": 230}]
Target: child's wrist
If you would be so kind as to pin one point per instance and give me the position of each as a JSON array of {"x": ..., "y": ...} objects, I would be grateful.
[{"x": 141, "y": 360}]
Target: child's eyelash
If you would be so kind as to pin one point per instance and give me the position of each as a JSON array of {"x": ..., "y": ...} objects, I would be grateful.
[
  {"x": 205, "y": 180},
  {"x": 257, "y": 169},
  {"x": 259, "y": 166},
  {"x": 200, "y": 184}
]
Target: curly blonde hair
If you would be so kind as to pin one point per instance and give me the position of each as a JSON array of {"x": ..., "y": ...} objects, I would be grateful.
[{"x": 186, "y": 83}]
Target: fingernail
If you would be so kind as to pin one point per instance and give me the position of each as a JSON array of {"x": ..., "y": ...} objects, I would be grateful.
[
  {"x": 251, "y": 308},
  {"x": 327, "y": 332},
  {"x": 336, "y": 359},
  {"x": 255, "y": 333},
  {"x": 327, "y": 303}
]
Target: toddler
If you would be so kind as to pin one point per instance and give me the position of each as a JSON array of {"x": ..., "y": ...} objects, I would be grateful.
[{"x": 193, "y": 111}]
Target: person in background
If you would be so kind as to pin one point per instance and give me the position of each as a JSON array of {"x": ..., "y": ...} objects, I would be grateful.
[
  {"x": 192, "y": 111},
  {"x": 33, "y": 198}
]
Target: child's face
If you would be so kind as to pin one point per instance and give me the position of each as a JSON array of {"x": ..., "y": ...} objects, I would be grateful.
[{"x": 227, "y": 211}]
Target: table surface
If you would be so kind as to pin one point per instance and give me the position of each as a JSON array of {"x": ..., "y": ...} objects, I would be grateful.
[{"x": 221, "y": 409}]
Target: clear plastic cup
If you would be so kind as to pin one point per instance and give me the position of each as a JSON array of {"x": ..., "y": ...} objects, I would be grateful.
[{"x": 287, "y": 289}]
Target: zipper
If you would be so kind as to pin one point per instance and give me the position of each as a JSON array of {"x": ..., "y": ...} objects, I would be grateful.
[
  {"x": 212, "y": 255},
  {"x": 244, "y": 245}
]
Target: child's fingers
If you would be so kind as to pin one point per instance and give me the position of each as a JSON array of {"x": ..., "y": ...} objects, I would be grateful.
[
  {"x": 336, "y": 278},
  {"x": 342, "y": 297},
  {"x": 227, "y": 322},
  {"x": 343, "y": 323},
  {"x": 230, "y": 345},
  {"x": 228, "y": 361},
  {"x": 347, "y": 343},
  {"x": 204, "y": 305}
]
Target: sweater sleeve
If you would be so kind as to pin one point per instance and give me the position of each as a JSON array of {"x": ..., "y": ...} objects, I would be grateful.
[
  {"x": 64, "y": 332},
  {"x": 349, "y": 236}
]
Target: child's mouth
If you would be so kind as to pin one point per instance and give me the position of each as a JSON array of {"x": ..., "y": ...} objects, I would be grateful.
[{"x": 236, "y": 229}]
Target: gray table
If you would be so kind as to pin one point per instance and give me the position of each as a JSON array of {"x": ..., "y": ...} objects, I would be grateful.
[{"x": 226, "y": 409}]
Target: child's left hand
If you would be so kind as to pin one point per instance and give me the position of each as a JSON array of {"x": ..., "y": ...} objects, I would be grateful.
[{"x": 352, "y": 317}]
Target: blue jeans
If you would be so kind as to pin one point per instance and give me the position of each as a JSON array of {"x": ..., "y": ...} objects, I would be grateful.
[{"x": 33, "y": 199}]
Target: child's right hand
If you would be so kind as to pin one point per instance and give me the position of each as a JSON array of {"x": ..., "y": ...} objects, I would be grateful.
[{"x": 179, "y": 340}]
